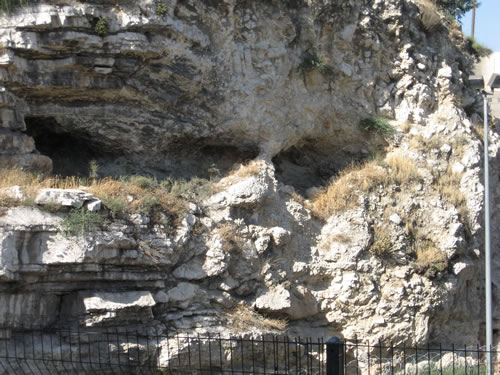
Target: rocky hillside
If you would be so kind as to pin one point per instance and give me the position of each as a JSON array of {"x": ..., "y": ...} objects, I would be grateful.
[{"x": 336, "y": 141}]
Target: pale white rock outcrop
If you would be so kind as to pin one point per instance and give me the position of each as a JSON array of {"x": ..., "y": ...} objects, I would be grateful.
[
  {"x": 64, "y": 197},
  {"x": 206, "y": 87}
]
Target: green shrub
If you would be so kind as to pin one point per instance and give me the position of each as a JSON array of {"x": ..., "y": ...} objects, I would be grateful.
[
  {"x": 161, "y": 9},
  {"x": 377, "y": 124},
  {"x": 144, "y": 182},
  {"x": 115, "y": 205},
  {"x": 197, "y": 189},
  {"x": 80, "y": 221},
  {"x": 455, "y": 8},
  {"x": 7, "y": 6},
  {"x": 147, "y": 204},
  {"x": 478, "y": 49},
  {"x": 310, "y": 61},
  {"x": 101, "y": 27}
]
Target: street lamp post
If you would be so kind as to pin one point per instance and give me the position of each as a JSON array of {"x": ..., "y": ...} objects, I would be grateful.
[
  {"x": 487, "y": 243},
  {"x": 477, "y": 82}
]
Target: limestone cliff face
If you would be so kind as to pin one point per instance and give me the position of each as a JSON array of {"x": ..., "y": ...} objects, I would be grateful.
[{"x": 212, "y": 83}]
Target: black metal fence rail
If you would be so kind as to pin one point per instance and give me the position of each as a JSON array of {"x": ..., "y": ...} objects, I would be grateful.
[
  {"x": 114, "y": 352},
  {"x": 360, "y": 359},
  {"x": 110, "y": 351}
]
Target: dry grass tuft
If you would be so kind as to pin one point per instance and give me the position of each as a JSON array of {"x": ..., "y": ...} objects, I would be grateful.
[
  {"x": 420, "y": 143},
  {"x": 448, "y": 185},
  {"x": 459, "y": 143},
  {"x": 252, "y": 168},
  {"x": 382, "y": 246},
  {"x": 245, "y": 319},
  {"x": 429, "y": 15},
  {"x": 343, "y": 192},
  {"x": 3, "y": 49},
  {"x": 32, "y": 183},
  {"x": 228, "y": 233},
  {"x": 137, "y": 195},
  {"x": 128, "y": 195},
  {"x": 428, "y": 255},
  {"x": 403, "y": 169},
  {"x": 478, "y": 130}
]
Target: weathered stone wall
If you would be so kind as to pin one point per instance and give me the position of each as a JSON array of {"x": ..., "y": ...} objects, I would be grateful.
[{"x": 166, "y": 94}]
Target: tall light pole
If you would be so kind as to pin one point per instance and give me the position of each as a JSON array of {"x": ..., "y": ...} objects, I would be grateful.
[
  {"x": 473, "y": 27},
  {"x": 477, "y": 82},
  {"x": 487, "y": 243}
]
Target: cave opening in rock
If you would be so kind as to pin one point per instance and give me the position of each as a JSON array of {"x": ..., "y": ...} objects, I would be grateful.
[{"x": 70, "y": 151}]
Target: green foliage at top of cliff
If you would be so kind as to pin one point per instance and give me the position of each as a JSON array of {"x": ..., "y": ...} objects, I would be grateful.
[
  {"x": 8, "y": 5},
  {"x": 455, "y": 8}
]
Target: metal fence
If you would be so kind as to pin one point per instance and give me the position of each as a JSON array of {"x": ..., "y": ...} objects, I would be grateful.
[{"x": 110, "y": 351}]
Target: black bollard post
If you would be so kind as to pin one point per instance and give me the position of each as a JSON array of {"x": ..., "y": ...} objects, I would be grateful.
[{"x": 334, "y": 356}]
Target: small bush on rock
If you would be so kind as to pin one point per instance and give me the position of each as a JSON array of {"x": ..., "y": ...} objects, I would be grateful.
[
  {"x": 80, "y": 221},
  {"x": 115, "y": 205},
  {"x": 478, "y": 49},
  {"x": 310, "y": 61},
  {"x": 161, "y": 9},
  {"x": 101, "y": 27},
  {"x": 378, "y": 125},
  {"x": 382, "y": 246}
]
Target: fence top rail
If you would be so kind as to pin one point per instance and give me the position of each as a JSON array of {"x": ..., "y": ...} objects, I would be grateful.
[{"x": 265, "y": 339}]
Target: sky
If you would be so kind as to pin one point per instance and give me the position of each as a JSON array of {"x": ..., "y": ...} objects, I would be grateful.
[{"x": 487, "y": 24}]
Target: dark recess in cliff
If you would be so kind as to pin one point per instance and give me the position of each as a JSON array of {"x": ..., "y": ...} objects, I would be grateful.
[{"x": 71, "y": 153}]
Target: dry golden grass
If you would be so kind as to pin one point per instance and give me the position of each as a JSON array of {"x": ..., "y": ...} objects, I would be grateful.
[
  {"x": 420, "y": 143},
  {"x": 128, "y": 195},
  {"x": 228, "y": 233},
  {"x": 343, "y": 192},
  {"x": 382, "y": 246},
  {"x": 428, "y": 255},
  {"x": 459, "y": 143},
  {"x": 429, "y": 15},
  {"x": 403, "y": 169},
  {"x": 32, "y": 183},
  {"x": 133, "y": 196},
  {"x": 448, "y": 185},
  {"x": 252, "y": 168},
  {"x": 3, "y": 49},
  {"x": 245, "y": 319},
  {"x": 478, "y": 130}
]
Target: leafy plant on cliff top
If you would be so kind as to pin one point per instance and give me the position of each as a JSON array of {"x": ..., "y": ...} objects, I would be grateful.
[
  {"x": 161, "y": 9},
  {"x": 9, "y": 5},
  {"x": 101, "y": 27},
  {"x": 479, "y": 49},
  {"x": 80, "y": 221},
  {"x": 456, "y": 8},
  {"x": 378, "y": 125},
  {"x": 310, "y": 61}
]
